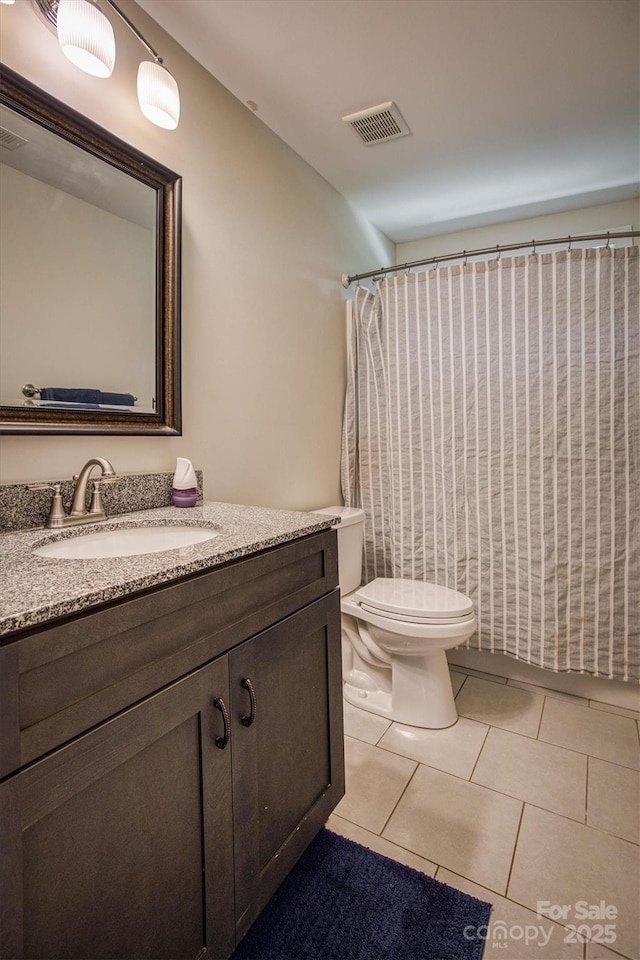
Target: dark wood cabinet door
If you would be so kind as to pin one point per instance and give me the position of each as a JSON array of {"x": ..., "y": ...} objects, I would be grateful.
[
  {"x": 106, "y": 841},
  {"x": 288, "y": 768}
]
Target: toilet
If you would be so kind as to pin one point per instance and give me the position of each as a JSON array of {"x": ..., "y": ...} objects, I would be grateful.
[{"x": 394, "y": 636}]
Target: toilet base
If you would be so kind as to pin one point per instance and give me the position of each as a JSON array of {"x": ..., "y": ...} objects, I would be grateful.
[{"x": 421, "y": 693}]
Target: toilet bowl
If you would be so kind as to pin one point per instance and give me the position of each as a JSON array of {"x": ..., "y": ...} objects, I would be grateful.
[{"x": 394, "y": 636}]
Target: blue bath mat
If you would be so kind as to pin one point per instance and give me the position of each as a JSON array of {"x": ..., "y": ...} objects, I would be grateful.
[{"x": 343, "y": 902}]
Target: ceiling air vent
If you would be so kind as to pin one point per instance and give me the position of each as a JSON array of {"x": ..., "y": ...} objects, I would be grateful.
[
  {"x": 9, "y": 140},
  {"x": 377, "y": 124}
]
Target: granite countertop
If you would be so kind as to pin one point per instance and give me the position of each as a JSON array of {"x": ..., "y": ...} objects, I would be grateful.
[{"x": 37, "y": 589}]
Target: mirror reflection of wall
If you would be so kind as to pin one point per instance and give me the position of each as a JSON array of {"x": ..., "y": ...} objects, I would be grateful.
[{"x": 77, "y": 269}]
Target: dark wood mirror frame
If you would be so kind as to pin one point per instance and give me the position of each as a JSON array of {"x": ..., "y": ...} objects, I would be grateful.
[{"x": 22, "y": 96}]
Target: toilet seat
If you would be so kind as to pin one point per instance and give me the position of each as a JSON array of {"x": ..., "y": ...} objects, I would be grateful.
[
  {"x": 414, "y": 601},
  {"x": 408, "y": 619}
]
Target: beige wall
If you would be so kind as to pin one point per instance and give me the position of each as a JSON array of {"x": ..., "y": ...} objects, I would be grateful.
[
  {"x": 605, "y": 216},
  {"x": 265, "y": 240}
]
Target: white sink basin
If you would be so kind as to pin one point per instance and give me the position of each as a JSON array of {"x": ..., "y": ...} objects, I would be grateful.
[{"x": 125, "y": 542}]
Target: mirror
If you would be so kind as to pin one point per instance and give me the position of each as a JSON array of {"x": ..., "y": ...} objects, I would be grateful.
[{"x": 89, "y": 275}]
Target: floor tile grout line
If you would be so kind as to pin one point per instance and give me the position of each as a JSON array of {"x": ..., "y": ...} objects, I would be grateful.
[
  {"x": 544, "y": 704},
  {"x": 549, "y": 692},
  {"x": 613, "y": 712},
  {"x": 486, "y": 737},
  {"x": 466, "y": 677},
  {"x": 478, "y": 675},
  {"x": 384, "y": 732},
  {"x": 592, "y": 756},
  {"x": 384, "y": 825},
  {"x": 582, "y": 753},
  {"x": 508, "y": 729},
  {"x": 515, "y": 848},
  {"x": 586, "y": 793}
]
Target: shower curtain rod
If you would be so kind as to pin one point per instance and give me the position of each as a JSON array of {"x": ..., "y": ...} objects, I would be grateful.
[{"x": 499, "y": 248}]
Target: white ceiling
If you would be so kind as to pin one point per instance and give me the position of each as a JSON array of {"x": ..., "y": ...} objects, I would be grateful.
[{"x": 517, "y": 107}]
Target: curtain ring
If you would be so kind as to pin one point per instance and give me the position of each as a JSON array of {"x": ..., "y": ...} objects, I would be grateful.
[
  {"x": 533, "y": 252},
  {"x": 570, "y": 242},
  {"x": 466, "y": 257},
  {"x": 608, "y": 239},
  {"x": 498, "y": 251}
]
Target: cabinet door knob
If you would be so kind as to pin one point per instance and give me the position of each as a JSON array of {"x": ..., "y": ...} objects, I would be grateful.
[
  {"x": 222, "y": 741},
  {"x": 246, "y": 683}
]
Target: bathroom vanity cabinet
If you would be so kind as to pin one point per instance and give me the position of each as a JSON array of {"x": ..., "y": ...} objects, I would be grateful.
[{"x": 168, "y": 757}]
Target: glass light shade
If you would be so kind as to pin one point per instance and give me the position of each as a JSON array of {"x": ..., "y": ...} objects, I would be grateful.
[
  {"x": 7, "y": 1},
  {"x": 86, "y": 37},
  {"x": 158, "y": 95}
]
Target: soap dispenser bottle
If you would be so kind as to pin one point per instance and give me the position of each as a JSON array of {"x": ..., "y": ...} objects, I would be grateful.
[{"x": 185, "y": 485}]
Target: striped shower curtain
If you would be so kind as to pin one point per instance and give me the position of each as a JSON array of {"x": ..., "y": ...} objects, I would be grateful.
[{"x": 492, "y": 435}]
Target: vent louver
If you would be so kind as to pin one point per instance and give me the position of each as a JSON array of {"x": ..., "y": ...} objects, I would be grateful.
[
  {"x": 9, "y": 140},
  {"x": 378, "y": 124}
]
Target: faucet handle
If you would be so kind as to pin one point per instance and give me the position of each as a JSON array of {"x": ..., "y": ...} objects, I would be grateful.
[
  {"x": 97, "y": 505},
  {"x": 56, "y": 512}
]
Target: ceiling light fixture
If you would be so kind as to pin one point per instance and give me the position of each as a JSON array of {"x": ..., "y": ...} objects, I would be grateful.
[{"x": 86, "y": 38}]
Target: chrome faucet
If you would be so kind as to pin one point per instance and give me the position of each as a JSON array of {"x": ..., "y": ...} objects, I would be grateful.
[{"x": 79, "y": 514}]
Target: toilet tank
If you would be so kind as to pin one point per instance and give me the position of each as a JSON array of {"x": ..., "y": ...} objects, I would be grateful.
[{"x": 350, "y": 532}]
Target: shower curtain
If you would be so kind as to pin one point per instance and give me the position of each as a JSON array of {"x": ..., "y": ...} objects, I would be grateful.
[{"x": 492, "y": 436}]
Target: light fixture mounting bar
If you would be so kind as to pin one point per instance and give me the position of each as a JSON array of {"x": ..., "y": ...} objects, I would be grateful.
[
  {"x": 48, "y": 12},
  {"x": 135, "y": 30}
]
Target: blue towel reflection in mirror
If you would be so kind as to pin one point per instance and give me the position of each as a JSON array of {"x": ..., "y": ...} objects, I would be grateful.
[{"x": 86, "y": 396}]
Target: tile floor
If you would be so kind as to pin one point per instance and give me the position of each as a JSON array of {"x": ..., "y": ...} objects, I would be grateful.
[{"x": 531, "y": 796}]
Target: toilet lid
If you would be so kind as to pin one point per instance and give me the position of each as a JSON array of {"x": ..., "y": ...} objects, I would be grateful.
[{"x": 413, "y": 598}]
